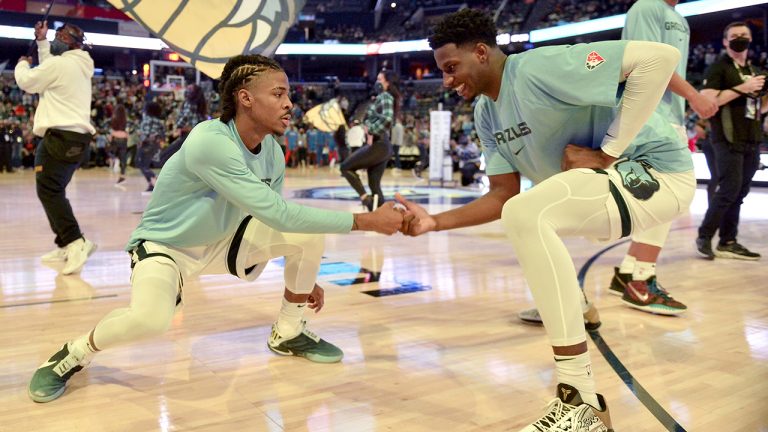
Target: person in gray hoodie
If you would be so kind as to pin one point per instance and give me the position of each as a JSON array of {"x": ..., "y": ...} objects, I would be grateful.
[{"x": 63, "y": 125}]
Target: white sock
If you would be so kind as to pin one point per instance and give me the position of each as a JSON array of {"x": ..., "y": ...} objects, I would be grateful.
[
  {"x": 289, "y": 319},
  {"x": 82, "y": 344},
  {"x": 577, "y": 372},
  {"x": 628, "y": 265},
  {"x": 643, "y": 270}
]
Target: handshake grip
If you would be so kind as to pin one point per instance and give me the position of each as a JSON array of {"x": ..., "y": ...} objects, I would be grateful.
[{"x": 386, "y": 219}]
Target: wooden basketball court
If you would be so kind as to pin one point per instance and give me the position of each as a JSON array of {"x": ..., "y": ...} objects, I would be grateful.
[{"x": 446, "y": 353}]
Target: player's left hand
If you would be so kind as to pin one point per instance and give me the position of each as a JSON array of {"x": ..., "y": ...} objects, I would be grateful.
[
  {"x": 316, "y": 298},
  {"x": 26, "y": 59},
  {"x": 582, "y": 157}
]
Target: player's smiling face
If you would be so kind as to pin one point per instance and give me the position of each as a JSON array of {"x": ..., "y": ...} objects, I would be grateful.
[{"x": 460, "y": 67}]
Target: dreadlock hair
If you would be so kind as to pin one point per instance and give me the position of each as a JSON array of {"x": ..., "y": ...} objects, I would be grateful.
[
  {"x": 238, "y": 72},
  {"x": 464, "y": 27}
]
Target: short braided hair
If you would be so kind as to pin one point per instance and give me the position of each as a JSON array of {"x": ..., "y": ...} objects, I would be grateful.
[
  {"x": 462, "y": 27},
  {"x": 238, "y": 72}
]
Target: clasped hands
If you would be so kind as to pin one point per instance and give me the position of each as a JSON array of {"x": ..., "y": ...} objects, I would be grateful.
[{"x": 404, "y": 216}]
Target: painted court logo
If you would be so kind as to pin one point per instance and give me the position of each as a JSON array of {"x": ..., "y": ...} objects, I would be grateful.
[{"x": 594, "y": 60}]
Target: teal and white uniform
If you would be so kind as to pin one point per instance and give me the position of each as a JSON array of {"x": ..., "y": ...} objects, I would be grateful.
[
  {"x": 216, "y": 209},
  {"x": 207, "y": 188},
  {"x": 657, "y": 21},
  {"x": 554, "y": 96}
]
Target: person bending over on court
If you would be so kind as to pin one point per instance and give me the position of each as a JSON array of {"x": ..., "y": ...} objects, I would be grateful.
[
  {"x": 570, "y": 118},
  {"x": 217, "y": 208}
]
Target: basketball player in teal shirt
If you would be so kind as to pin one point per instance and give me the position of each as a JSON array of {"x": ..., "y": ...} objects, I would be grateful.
[
  {"x": 654, "y": 21},
  {"x": 658, "y": 21},
  {"x": 579, "y": 122},
  {"x": 217, "y": 208}
]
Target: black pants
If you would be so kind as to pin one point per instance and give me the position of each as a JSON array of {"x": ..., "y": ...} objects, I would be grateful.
[
  {"x": 396, "y": 151},
  {"x": 372, "y": 158},
  {"x": 145, "y": 154},
  {"x": 468, "y": 172},
  {"x": 6, "y": 151},
  {"x": 735, "y": 170},
  {"x": 121, "y": 151},
  {"x": 343, "y": 152},
  {"x": 52, "y": 177},
  {"x": 172, "y": 148},
  {"x": 709, "y": 155}
]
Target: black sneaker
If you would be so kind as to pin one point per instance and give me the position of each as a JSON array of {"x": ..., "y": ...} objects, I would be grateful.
[
  {"x": 368, "y": 202},
  {"x": 704, "y": 248},
  {"x": 734, "y": 250}
]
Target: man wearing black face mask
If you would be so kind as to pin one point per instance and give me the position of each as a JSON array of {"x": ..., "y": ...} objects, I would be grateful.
[
  {"x": 62, "y": 120},
  {"x": 736, "y": 135}
]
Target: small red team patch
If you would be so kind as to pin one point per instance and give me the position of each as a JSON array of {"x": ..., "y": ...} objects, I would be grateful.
[{"x": 594, "y": 60}]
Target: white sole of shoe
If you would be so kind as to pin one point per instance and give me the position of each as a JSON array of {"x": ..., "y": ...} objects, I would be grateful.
[
  {"x": 731, "y": 255},
  {"x": 657, "y": 310}
]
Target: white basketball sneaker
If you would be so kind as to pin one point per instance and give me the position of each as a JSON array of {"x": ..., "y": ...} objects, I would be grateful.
[
  {"x": 568, "y": 413},
  {"x": 77, "y": 254},
  {"x": 56, "y": 255}
]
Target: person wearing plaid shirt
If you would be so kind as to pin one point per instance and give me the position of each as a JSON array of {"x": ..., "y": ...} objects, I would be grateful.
[
  {"x": 374, "y": 156},
  {"x": 193, "y": 111},
  {"x": 151, "y": 136}
]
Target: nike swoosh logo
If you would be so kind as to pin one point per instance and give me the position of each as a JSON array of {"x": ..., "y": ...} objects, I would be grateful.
[
  {"x": 521, "y": 149},
  {"x": 643, "y": 297},
  {"x": 46, "y": 364}
]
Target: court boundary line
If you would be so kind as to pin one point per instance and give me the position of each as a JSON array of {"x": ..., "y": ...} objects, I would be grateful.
[
  {"x": 653, "y": 406},
  {"x": 8, "y": 306}
]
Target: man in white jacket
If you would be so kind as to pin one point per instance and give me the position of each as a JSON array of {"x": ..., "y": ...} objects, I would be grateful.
[{"x": 62, "y": 120}]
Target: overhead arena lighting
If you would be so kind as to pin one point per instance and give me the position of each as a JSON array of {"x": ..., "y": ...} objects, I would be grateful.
[
  {"x": 97, "y": 39},
  {"x": 617, "y": 21},
  {"x": 340, "y": 49}
]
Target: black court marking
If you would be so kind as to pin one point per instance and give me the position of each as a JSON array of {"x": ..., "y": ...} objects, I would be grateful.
[
  {"x": 639, "y": 391},
  {"x": 368, "y": 276},
  {"x": 402, "y": 289},
  {"x": 57, "y": 301}
]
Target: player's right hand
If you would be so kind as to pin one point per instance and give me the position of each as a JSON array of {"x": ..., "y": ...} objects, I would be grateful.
[
  {"x": 41, "y": 30},
  {"x": 384, "y": 220}
]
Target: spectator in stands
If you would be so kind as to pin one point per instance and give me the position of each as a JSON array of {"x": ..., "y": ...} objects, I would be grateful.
[{"x": 355, "y": 136}]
